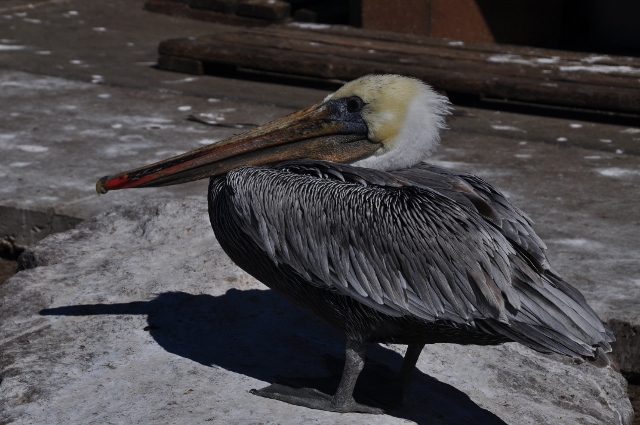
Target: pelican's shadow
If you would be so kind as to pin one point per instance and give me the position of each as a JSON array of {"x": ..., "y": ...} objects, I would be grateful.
[{"x": 259, "y": 334}]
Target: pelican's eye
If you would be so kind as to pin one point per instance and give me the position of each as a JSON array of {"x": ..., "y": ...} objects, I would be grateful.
[{"x": 354, "y": 104}]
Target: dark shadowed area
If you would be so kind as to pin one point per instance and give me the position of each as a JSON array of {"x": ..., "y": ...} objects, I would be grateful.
[
  {"x": 7, "y": 269},
  {"x": 196, "y": 327}
]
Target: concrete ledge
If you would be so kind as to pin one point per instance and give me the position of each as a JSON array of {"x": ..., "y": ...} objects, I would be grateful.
[{"x": 137, "y": 316}]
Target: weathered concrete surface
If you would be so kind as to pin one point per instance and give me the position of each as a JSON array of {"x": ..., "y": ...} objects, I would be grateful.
[
  {"x": 147, "y": 321},
  {"x": 62, "y": 135},
  {"x": 115, "y": 43}
]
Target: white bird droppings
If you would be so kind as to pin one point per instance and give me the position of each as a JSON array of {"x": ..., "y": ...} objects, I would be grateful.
[
  {"x": 309, "y": 25},
  {"x": 552, "y": 59},
  {"x": 76, "y": 62},
  {"x": 578, "y": 243},
  {"x": 455, "y": 43},
  {"x": 184, "y": 108},
  {"x": 592, "y": 59},
  {"x": 562, "y": 139},
  {"x": 32, "y": 21},
  {"x": 522, "y": 155},
  {"x": 602, "y": 69},
  {"x": 100, "y": 29},
  {"x": 508, "y": 58},
  {"x": 506, "y": 128},
  {"x": 116, "y": 126},
  {"x": 213, "y": 116},
  {"x": 182, "y": 80},
  {"x": 129, "y": 138},
  {"x": 207, "y": 141},
  {"x": 213, "y": 100},
  {"x": 575, "y": 125},
  {"x": 19, "y": 164},
  {"x": 619, "y": 151},
  {"x": 96, "y": 79},
  {"x": 5, "y": 48},
  {"x": 33, "y": 148},
  {"x": 617, "y": 172},
  {"x": 631, "y": 131},
  {"x": 592, "y": 157},
  {"x": 168, "y": 153},
  {"x": 43, "y": 52},
  {"x": 104, "y": 95}
]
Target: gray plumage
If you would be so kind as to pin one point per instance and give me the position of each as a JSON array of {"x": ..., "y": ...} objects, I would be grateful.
[{"x": 421, "y": 255}]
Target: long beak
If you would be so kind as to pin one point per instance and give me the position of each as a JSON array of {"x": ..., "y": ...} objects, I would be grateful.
[{"x": 315, "y": 132}]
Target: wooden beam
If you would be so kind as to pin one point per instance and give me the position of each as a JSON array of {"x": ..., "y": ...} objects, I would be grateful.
[{"x": 496, "y": 71}]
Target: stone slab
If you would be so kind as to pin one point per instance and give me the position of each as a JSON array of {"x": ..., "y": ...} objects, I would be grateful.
[{"x": 137, "y": 316}]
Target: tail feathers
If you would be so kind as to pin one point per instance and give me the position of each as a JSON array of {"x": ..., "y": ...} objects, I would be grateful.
[
  {"x": 600, "y": 359},
  {"x": 547, "y": 341},
  {"x": 549, "y": 306},
  {"x": 555, "y": 318}
]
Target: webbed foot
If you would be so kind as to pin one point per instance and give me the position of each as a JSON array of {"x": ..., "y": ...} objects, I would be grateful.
[{"x": 314, "y": 399}]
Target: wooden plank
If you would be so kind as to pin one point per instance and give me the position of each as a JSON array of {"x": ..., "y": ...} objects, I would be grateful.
[
  {"x": 408, "y": 43},
  {"x": 567, "y": 80},
  {"x": 427, "y": 56},
  {"x": 371, "y": 35},
  {"x": 179, "y": 64}
]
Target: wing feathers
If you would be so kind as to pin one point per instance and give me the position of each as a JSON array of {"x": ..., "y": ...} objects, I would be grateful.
[{"x": 403, "y": 248}]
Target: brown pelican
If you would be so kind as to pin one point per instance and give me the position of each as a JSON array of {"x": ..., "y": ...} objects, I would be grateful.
[{"x": 332, "y": 208}]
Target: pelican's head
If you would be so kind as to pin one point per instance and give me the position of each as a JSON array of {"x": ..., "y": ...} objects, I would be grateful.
[
  {"x": 385, "y": 122},
  {"x": 402, "y": 114}
]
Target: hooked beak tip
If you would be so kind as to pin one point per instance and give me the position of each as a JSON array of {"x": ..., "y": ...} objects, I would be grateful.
[{"x": 100, "y": 185}]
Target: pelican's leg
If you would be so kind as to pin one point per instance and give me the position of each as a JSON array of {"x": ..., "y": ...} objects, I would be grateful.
[
  {"x": 378, "y": 382},
  {"x": 406, "y": 370},
  {"x": 342, "y": 401}
]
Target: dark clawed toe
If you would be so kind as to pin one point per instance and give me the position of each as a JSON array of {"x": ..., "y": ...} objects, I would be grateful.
[{"x": 312, "y": 398}]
